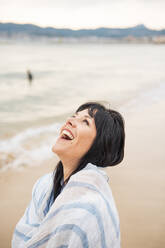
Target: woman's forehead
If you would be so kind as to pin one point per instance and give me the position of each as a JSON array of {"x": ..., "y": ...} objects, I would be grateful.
[
  {"x": 84, "y": 113},
  {"x": 90, "y": 112}
]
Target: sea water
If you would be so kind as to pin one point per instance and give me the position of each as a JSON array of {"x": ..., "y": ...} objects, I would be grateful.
[{"x": 125, "y": 77}]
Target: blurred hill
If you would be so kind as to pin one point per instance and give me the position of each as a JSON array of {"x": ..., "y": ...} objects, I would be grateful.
[{"x": 10, "y": 30}]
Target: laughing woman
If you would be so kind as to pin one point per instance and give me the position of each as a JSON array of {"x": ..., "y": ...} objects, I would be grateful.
[{"x": 74, "y": 207}]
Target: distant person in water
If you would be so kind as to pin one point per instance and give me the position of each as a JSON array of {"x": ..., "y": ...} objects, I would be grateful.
[{"x": 29, "y": 76}]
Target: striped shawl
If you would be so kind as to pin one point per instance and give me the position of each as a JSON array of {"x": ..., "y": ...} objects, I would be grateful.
[{"x": 84, "y": 215}]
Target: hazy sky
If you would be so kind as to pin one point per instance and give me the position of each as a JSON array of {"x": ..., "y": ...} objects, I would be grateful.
[{"x": 84, "y": 13}]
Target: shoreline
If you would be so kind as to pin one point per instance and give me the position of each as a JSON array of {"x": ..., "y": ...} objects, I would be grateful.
[{"x": 137, "y": 184}]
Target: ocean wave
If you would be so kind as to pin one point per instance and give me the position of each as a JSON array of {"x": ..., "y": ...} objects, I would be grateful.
[{"x": 29, "y": 147}]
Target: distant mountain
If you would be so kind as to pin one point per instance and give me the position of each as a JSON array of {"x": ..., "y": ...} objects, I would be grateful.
[{"x": 12, "y": 30}]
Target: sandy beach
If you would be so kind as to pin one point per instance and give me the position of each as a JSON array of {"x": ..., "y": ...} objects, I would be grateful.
[{"x": 137, "y": 184}]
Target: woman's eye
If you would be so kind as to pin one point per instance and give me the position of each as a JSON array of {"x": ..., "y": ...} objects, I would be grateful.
[{"x": 86, "y": 122}]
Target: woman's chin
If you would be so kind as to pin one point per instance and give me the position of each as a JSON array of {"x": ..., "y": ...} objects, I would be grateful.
[
  {"x": 55, "y": 149},
  {"x": 58, "y": 148}
]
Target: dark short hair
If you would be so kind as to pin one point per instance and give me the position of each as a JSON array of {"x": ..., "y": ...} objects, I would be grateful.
[{"x": 108, "y": 146}]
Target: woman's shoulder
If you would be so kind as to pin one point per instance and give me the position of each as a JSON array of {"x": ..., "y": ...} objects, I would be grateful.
[
  {"x": 45, "y": 179},
  {"x": 93, "y": 171},
  {"x": 90, "y": 181},
  {"x": 42, "y": 185}
]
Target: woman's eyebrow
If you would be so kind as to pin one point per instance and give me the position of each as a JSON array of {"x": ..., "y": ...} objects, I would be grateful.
[{"x": 88, "y": 116}]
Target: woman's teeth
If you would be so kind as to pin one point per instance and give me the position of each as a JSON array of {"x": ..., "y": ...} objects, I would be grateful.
[{"x": 67, "y": 134}]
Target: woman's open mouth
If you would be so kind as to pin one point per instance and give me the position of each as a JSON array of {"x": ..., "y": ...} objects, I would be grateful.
[{"x": 67, "y": 135}]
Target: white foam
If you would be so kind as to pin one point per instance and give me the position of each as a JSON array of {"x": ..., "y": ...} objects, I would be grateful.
[{"x": 22, "y": 150}]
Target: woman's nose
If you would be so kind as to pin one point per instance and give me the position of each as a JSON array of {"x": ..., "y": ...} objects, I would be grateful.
[{"x": 71, "y": 121}]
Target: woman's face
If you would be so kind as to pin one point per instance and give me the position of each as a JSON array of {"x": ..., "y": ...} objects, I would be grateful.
[{"x": 76, "y": 136}]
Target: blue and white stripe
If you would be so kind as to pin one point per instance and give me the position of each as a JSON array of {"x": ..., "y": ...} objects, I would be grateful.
[{"x": 84, "y": 215}]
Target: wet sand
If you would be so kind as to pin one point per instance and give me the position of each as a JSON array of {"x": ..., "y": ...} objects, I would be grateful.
[{"x": 138, "y": 184}]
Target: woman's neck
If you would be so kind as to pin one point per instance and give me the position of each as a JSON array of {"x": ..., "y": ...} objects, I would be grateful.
[{"x": 68, "y": 167}]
